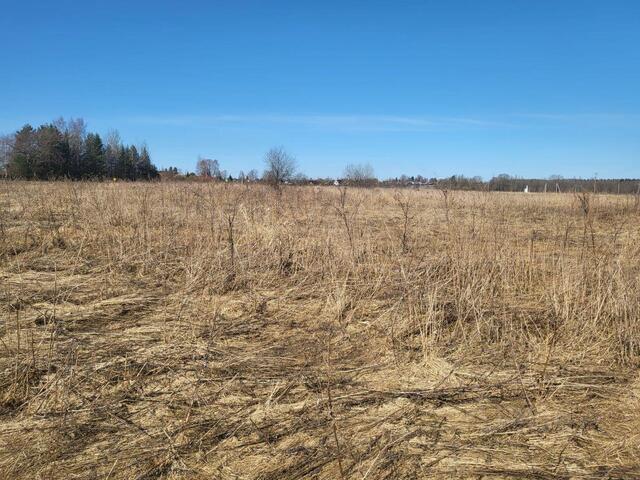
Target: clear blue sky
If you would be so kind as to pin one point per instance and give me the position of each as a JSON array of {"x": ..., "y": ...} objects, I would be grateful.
[{"x": 528, "y": 87}]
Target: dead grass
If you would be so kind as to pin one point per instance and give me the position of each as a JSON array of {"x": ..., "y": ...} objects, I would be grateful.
[{"x": 215, "y": 331}]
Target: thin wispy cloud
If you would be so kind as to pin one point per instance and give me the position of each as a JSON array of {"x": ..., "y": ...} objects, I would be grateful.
[
  {"x": 594, "y": 118},
  {"x": 354, "y": 123},
  {"x": 395, "y": 123}
]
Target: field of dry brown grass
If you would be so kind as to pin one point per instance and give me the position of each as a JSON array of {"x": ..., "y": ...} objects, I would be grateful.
[{"x": 221, "y": 331}]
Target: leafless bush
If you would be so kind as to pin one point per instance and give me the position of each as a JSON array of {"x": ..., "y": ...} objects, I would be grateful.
[
  {"x": 405, "y": 205},
  {"x": 347, "y": 212}
]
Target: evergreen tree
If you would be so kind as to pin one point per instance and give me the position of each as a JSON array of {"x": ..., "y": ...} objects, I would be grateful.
[
  {"x": 22, "y": 159},
  {"x": 53, "y": 158},
  {"x": 94, "y": 160}
]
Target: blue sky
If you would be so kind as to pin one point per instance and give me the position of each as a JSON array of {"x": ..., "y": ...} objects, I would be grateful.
[{"x": 528, "y": 87}]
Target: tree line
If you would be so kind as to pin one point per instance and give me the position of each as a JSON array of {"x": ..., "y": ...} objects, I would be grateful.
[
  {"x": 64, "y": 149},
  {"x": 281, "y": 167},
  {"x": 556, "y": 183},
  {"x": 509, "y": 183}
]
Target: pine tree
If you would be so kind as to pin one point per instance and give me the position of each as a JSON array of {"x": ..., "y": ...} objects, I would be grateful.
[
  {"x": 94, "y": 158},
  {"x": 52, "y": 154},
  {"x": 22, "y": 159}
]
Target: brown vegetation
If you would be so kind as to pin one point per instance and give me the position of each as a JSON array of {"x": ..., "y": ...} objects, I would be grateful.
[{"x": 225, "y": 331}]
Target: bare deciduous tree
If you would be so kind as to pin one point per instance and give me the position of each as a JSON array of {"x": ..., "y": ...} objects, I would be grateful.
[
  {"x": 206, "y": 167},
  {"x": 360, "y": 174},
  {"x": 6, "y": 148},
  {"x": 280, "y": 166},
  {"x": 111, "y": 152},
  {"x": 252, "y": 175},
  {"x": 404, "y": 202},
  {"x": 347, "y": 214}
]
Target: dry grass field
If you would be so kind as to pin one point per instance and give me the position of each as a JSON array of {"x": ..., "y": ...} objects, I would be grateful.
[{"x": 199, "y": 331}]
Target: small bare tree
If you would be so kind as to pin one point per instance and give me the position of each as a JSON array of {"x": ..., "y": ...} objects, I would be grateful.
[
  {"x": 6, "y": 149},
  {"x": 206, "y": 167},
  {"x": 586, "y": 205},
  {"x": 445, "y": 200},
  {"x": 360, "y": 174},
  {"x": 280, "y": 167},
  {"x": 252, "y": 175},
  {"x": 348, "y": 217},
  {"x": 405, "y": 205}
]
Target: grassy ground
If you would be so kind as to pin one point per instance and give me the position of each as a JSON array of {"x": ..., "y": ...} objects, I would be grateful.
[{"x": 215, "y": 331}]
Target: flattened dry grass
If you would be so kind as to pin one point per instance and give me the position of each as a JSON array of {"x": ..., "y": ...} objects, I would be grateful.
[{"x": 227, "y": 331}]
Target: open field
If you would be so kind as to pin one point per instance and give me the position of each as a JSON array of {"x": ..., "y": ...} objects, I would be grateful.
[{"x": 221, "y": 331}]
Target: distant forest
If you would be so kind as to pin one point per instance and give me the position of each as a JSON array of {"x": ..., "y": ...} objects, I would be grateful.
[{"x": 64, "y": 149}]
